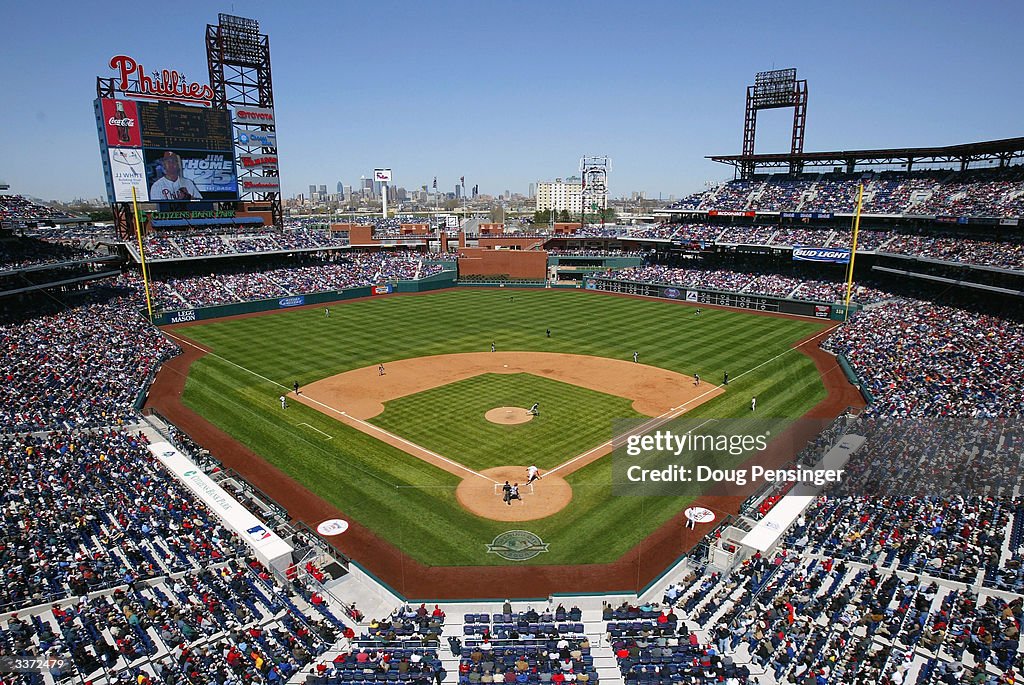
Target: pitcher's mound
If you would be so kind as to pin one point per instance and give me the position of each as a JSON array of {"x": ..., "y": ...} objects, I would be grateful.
[
  {"x": 508, "y": 415},
  {"x": 548, "y": 496}
]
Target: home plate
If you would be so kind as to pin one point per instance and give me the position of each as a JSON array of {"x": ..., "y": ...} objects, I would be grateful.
[{"x": 506, "y": 366}]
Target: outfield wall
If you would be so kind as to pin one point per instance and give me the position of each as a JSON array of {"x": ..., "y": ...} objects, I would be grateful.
[
  {"x": 444, "y": 279},
  {"x": 760, "y": 303}
]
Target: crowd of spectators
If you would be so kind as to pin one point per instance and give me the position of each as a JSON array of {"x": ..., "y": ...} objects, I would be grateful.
[
  {"x": 20, "y": 253},
  {"x": 793, "y": 617},
  {"x": 19, "y": 209},
  {"x": 221, "y": 240},
  {"x": 1005, "y": 254},
  {"x": 975, "y": 192},
  {"x": 773, "y": 284},
  {"x": 918, "y": 358},
  {"x": 82, "y": 366},
  {"x": 130, "y": 568},
  {"x": 347, "y": 270}
]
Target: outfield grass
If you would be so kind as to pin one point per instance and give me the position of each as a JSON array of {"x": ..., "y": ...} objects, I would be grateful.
[
  {"x": 450, "y": 420},
  {"x": 413, "y": 504}
]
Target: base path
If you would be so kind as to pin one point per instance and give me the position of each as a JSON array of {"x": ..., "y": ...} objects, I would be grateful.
[{"x": 361, "y": 393}]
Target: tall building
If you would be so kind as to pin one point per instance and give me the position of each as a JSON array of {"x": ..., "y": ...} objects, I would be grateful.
[
  {"x": 340, "y": 188},
  {"x": 533, "y": 191},
  {"x": 458, "y": 191},
  {"x": 312, "y": 192},
  {"x": 560, "y": 195},
  {"x": 323, "y": 191}
]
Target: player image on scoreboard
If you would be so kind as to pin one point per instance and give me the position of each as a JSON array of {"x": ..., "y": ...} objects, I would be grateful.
[{"x": 190, "y": 176}]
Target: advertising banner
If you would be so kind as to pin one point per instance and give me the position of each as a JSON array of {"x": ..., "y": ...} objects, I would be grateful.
[
  {"x": 190, "y": 176},
  {"x": 250, "y": 138},
  {"x": 260, "y": 184},
  {"x": 381, "y": 289},
  {"x": 806, "y": 215},
  {"x": 295, "y": 301},
  {"x": 382, "y": 175},
  {"x": 127, "y": 171},
  {"x": 258, "y": 161},
  {"x": 121, "y": 123},
  {"x": 729, "y": 212},
  {"x": 829, "y": 255},
  {"x": 254, "y": 116}
]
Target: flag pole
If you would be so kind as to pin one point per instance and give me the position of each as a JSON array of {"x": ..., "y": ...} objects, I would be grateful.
[
  {"x": 142, "y": 255},
  {"x": 853, "y": 251}
]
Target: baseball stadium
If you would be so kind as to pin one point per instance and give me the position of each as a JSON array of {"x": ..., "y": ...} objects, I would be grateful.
[{"x": 765, "y": 433}]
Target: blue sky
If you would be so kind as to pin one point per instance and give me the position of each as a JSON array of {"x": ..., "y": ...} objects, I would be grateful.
[{"x": 509, "y": 93}]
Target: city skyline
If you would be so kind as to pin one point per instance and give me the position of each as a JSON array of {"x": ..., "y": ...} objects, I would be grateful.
[{"x": 507, "y": 99}]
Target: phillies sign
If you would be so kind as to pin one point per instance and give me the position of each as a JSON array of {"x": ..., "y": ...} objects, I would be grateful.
[{"x": 168, "y": 84}]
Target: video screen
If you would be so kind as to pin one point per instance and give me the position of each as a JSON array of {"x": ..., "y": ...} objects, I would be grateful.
[{"x": 177, "y": 175}]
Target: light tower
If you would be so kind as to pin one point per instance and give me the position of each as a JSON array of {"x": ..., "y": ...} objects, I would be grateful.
[{"x": 772, "y": 90}]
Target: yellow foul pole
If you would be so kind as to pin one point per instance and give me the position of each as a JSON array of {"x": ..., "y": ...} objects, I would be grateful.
[
  {"x": 142, "y": 254},
  {"x": 853, "y": 252}
]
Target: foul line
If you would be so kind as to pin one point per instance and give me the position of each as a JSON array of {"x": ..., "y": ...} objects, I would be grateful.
[
  {"x": 329, "y": 436},
  {"x": 368, "y": 426},
  {"x": 677, "y": 411}
]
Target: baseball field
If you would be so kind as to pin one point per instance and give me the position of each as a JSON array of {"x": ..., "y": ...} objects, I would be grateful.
[{"x": 417, "y": 451}]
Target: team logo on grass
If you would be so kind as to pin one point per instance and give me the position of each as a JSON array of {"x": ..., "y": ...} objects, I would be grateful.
[{"x": 517, "y": 545}]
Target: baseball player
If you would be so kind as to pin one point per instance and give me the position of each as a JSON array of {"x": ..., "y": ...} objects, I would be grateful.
[
  {"x": 492, "y": 347},
  {"x": 380, "y": 369},
  {"x": 696, "y": 379},
  {"x": 532, "y": 474},
  {"x": 284, "y": 402},
  {"x": 636, "y": 357},
  {"x": 295, "y": 386},
  {"x": 753, "y": 403},
  {"x": 535, "y": 409}
]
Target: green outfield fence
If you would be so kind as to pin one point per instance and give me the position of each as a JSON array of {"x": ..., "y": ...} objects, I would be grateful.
[{"x": 445, "y": 279}]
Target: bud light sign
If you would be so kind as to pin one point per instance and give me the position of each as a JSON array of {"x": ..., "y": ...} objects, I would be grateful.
[
  {"x": 296, "y": 301},
  {"x": 829, "y": 255}
]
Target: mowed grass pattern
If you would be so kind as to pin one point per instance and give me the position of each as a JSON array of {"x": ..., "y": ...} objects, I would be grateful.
[
  {"x": 413, "y": 504},
  {"x": 450, "y": 420}
]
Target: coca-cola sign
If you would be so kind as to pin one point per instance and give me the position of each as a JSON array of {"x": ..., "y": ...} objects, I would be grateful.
[
  {"x": 121, "y": 123},
  {"x": 165, "y": 84}
]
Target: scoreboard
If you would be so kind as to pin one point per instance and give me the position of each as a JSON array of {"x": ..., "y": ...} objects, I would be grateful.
[{"x": 181, "y": 127}]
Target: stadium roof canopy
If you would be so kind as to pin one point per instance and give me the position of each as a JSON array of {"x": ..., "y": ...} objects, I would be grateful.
[{"x": 995, "y": 152}]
